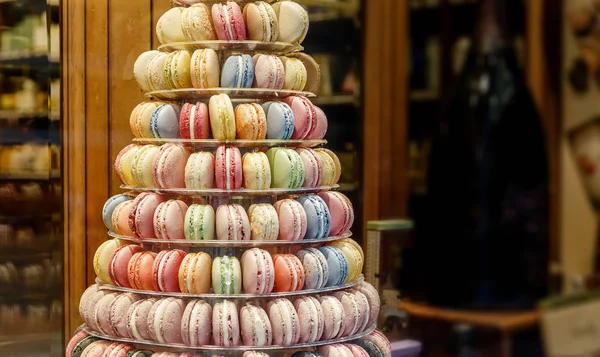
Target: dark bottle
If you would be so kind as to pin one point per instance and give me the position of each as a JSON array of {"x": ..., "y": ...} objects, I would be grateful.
[
  {"x": 484, "y": 243},
  {"x": 464, "y": 341}
]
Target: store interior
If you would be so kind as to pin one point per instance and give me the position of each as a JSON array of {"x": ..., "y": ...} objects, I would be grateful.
[{"x": 390, "y": 72}]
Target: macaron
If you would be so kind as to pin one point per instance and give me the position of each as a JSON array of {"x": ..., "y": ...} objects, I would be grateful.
[
  {"x": 194, "y": 122},
  {"x": 101, "y": 313},
  {"x": 255, "y": 327},
  {"x": 337, "y": 264},
  {"x": 305, "y": 116},
  {"x": 254, "y": 354},
  {"x": 317, "y": 217},
  {"x": 177, "y": 70},
  {"x": 313, "y": 167},
  {"x": 140, "y": 270},
  {"x": 205, "y": 68},
  {"x": 341, "y": 211},
  {"x": 280, "y": 120},
  {"x": 264, "y": 222},
  {"x": 295, "y": 73},
  {"x": 117, "y": 269},
  {"x": 258, "y": 271},
  {"x": 164, "y": 121},
  {"x": 196, "y": 23},
  {"x": 289, "y": 273},
  {"x": 78, "y": 343},
  {"x": 117, "y": 349},
  {"x": 306, "y": 354},
  {"x": 256, "y": 171},
  {"x": 140, "y": 69},
  {"x": 123, "y": 164},
  {"x": 293, "y": 21},
  {"x": 333, "y": 313},
  {"x": 374, "y": 301},
  {"x": 363, "y": 302},
  {"x": 196, "y": 323},
  {"x": 356, "y": 350},
  {"x": 371, "y": 348},
  {"x": 137, "y": 319},
  {"x": 225, "y": 324},
  {"x": 155, "y": 72},
  {"x": 95, "y": 349},
  {"x": 336, "y": 163},
  {"x": 165, "y": 270},
  {"x": 165, "y": 354},
  {"x": 142, "y": 164},
  {"x": 232, "y": 223},
  {"x": 199, "y": 223},
  {"x": 164, "y": 320},
  {"x": 354, "y": 258},
  {"x": 226, "y": 275},
  {"x": 194, "y": 273},
  {"x": 354, "y": 315},
  {"x": 139, "y": 353},
  {"x": 102, "y": 259},
  {"x": 139, "y": 120},
  {"x": 238, "y": 72},
  {"x": 335, "y": 350},
  {"x": 284, "y": 321},
  {"x": 250, "y": 122},
  {"x": 228, "y": 168},
  {"x": 169, "y": 219},
  {"x": 200, "y": 170},
  {"x": 117, "y": 314},
  {"x": 222, "y": 117},
  {"x": 287, "y": 169},
  {"x": 187, "y": 354},
  {"x": 320, "y": 129},
  {"x": 141, "y": 214},
  {"x": 169, "y": 166},
  {"x": 269, "y": 72},
  {"x": 229, "y": 22},
  {"x": 311, "y": 317},
  {"x": 87, "y": 304},
  {"x": 379, "y": 339},
  {"x": 313, "y": 71},
  {"x": 261, "y": 22},
  {"x": 292, "y": 219},
  {"x": 316, "y": 270},
  {"x": 109, "y": 208},
  {"x": 168, "y": 27}
]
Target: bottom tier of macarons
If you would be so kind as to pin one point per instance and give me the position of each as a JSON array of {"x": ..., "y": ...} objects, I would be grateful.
[{"x": 235, "y": 324}]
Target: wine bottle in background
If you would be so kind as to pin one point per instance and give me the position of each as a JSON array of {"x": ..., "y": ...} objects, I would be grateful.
[{"x": 484, "y": 242}]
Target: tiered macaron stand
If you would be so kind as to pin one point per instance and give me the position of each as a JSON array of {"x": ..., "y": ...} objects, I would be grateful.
[{"x": 216, "y": 197}]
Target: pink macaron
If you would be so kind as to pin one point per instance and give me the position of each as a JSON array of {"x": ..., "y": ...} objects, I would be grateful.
[
  {"x": 137, "y": 319},
  {"x": 305, "y": 116},
  {"x": 354, "y": 315},
  {"x": 229, "y": 21},
  {"x": 128, "y": 150},
  {"x": 225, "y": 324},
  {"x": 95, "y": 349},
  {"x": 321, "y": 125},
  {"x": 228, "y": 168},
  {"x": 364, "y": 306},
  {"x": 141, "y": 215},
  {"x": 255, "y": 326},
  {"x": 117, "y": 314},
  {"x": 194, "y": 121},
  {"x": 139, "y": 270},
  {"x": 381, "y": 341},
  {"x": 284, "y": 321},
  {"x": 335, "y": 350},
  {"x": 232, "y": 223},
  {"x": 117, "y": 349},
  {"x": 196, "y": 323},
  {"x": 313, "y": 167},
  {"x": 101, "y": 315},
  {"x": 119, "y": 262},
  {"x": 169, "y": 166},
  {"x": 374, "y": 301},
  {"x": 268, "y": 72},
  {"x": 164, "y": 320},
  {"x": 289, "y": 273},
  {"x": 311, "y": 317},
  {"x": 87, "y": 304},
  {"x": 165, "y": 271},
  {"x": 342, "y": 213},
  {"x": 356, "y": 350},
  {"x": 333, "y": 310},
  {"x": 292, "y": 219},
  {"x": 168, "y": 219},
  {"x": 258, "y": 271}
]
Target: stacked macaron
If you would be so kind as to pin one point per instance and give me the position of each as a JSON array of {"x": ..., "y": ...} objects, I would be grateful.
[
  {"x": 293, "y": 118},
  {"x": 256, "y": 272},
  {"x": 258, "y": 21},
  {"x": 196, "y": 322}
]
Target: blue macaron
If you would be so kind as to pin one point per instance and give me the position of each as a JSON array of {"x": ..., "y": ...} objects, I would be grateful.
[
  {"x": 337, "y": 263},
  {"x": 237, "y": 72},
  {"x": 280, "y": 120},
  {"x": 164, "y": 121},
  {"x": 318, "y": 218},
  {"x": 372, "y": 349},
  {"x": 110, "y": 206}
]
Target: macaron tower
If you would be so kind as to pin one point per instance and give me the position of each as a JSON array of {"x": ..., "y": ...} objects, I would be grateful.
[{"x": 230, "y": 238}]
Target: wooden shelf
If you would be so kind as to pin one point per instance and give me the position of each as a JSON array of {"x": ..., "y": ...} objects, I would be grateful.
[
  {"x": 336, "y": 99},
  {"x": 342, "y": 5}
]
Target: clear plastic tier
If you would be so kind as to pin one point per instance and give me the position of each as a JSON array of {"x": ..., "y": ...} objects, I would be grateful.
[
  {"x": 305, "y": 243},
  {"x": 274, "y": 48},
  {"x": 220, "y": 349},
  {"x": 215, "y": 192},
  {"x": 148, "y": 293},
  {"x": 235, "y": 93},
  {"x": 213, "y": 143}
]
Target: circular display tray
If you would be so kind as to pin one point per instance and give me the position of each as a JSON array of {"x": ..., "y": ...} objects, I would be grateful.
[
  {"x": 250, "y": 94},
  {"x": 213, "y": 143},
  {"x": 215, "y": 192},
  {"x": 230, "y": 348},
  {"x": 103, "y": 286},
  {"x": 230, "y": 243},
  {"x": 192, "y": 2},
  {"x": 275, "y": 48}
]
